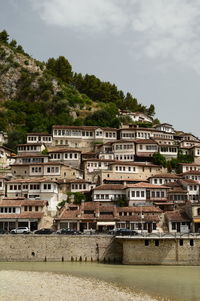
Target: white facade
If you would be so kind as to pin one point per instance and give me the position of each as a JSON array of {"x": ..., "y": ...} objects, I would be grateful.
[{"x": 39, "y": 138}]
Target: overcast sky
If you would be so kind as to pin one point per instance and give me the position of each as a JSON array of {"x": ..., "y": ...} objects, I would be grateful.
[{"x": 148, "y": 47}]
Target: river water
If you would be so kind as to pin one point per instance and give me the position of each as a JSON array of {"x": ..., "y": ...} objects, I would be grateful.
[{"x": 92, "y": 281}]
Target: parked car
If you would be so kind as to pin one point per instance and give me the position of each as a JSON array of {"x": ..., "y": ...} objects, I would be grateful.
[
  {"x": 123, "y": 232},
  {"x": 20, "y": 230},
  {"x": 44, "y": 231},
  {"x": 66, "y": 231}
]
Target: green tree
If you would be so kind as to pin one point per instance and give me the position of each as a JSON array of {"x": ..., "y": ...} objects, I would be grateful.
[
  {"x": 13, "y": 43},
  {"x": 4, "y": 37},
  {"x": 61, "y": 68},
  {"x": 151, "y": 110},
  {"x": 159, "y": 159}
]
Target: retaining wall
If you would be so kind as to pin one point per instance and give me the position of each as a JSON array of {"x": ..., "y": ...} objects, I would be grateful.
[
  {"x": 161, "y": 251},
  {"x": 59, "y": 248}
]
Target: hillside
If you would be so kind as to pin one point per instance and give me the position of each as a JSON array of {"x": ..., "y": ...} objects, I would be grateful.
[{"x": 35, "y": 95}]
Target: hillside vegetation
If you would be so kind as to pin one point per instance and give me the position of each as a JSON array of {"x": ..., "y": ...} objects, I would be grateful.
[{"x": 35, "y": 95}]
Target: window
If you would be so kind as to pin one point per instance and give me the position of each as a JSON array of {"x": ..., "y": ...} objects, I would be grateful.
[{"x": 173, "y": 226}]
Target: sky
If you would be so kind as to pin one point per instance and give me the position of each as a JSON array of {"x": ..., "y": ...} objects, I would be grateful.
[{"x": 150, "y": 48}]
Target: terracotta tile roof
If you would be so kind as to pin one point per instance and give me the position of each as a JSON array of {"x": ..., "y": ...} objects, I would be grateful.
[
  {"x": 142, "y": 164},
  {"x": 89, "y": 205},
  {"x": 38, "y": 134},
  {"x": 189, "y": 164},
  {"x": 166, "y": 175},
  {"x": 30, "y": 144},
  {"x": 146, "y": 185},
  {"x": 87, "y": 216},
  {"x": 32, "y": 180},
  {"x": 188, "y": 181},
  {"x": 146, "y": 141},
  {"x": 106, "y": 208},
  {"x": 30, "y": 155},
  {"x": 177, "y": 190},
  {"x": 78, "y": 181},
  {"x": 69, "y": 214},
  {"x": 21, "y": 202},
  {"x": 37, "y": 164},
  {"x": 64, "y": 150},
  {"x": 91, "y": 128},
  {"x": 98, "y": 160},
  {"x": 23, "y": 215},
  {"x": 137, "y": 218},
  {"x": 177, "y": 216},
  {"x": 144, "y": 154},
  {"x": 139, "y": 209},
  {"x": 191, "y": 172},
  {"x": 110, "y": 187}
]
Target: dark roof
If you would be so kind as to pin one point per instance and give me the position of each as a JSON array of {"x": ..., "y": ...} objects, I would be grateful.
[{"x": 177, "y": 216}]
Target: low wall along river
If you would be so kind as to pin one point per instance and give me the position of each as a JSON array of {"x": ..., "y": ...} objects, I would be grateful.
[{"x": 102, "y": 248}]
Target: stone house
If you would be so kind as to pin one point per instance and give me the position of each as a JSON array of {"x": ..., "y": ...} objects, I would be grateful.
[
  {"x": 108, "y": 193},
  {"x": 7, "y": 157},
  {"x": 82, "y": 137},
  {"x": 53, "y": 170},
  {"x": 165, "y": 127},
  {"x": 142, "y": 193},
  {"x": 120, "y": 170},
  {"x": 96, "y": 216},
  {"x": 22, "y": 213},
  {"x": 71, "y": 157},
  {"x": 145, "y": 148},
  {"x": 30, "y": 148},
  {"x": 164, "y": 178},
  {"x": 178, "y": 221},
  {"x": 37, "y": 189},
  {"x": 44, "y": 138}
]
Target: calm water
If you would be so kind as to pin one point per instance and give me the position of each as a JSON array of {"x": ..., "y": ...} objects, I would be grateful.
[{"x": 169, "y": 282}]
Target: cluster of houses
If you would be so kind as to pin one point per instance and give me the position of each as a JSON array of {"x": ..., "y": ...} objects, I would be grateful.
[{"x": 112, "y": 172}]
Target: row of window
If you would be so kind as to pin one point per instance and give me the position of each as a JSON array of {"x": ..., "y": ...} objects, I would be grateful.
[
  {"x": 164, "y": 149},
  {"x": 178, "y": 197},
  {"x": 123, "y": 146},
  {"x": 125, "y": 168},
  {"x": 51, "y": 169},
  {"x": 125, "y": 157},
  {"x": 28, "y": 147},
  {"x": 82, "y": 133},
  {"x": 106, "y": 196},
  {"x": 32, "y": 160},
  {"x": 141, "y": 194},
  {"x": 31, "y": 208},
  {"x": 78, "y": 186},
  {"x": 7, "y": 209},
  {"x": 99, "y": 164},
  {"x": 35, "y": 138},
  {"x": 66, "y": 156},
  {"x": 32, "y": 187}
]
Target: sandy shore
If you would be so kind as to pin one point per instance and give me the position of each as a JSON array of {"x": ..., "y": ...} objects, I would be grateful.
[{"x": 19, "y": 285}]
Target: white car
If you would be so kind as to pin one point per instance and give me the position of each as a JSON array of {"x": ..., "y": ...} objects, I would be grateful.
[{"x": 20, "y": 230}]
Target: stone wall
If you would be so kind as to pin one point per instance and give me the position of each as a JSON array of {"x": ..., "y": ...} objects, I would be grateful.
[
  {"x": 161, "y": 251},
  {"x": 170, "y": 251},
  {"x": 60, "y": 248}
]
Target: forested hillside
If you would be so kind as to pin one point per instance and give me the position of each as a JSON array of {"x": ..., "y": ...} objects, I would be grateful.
[{"x": 35, "y": 95}]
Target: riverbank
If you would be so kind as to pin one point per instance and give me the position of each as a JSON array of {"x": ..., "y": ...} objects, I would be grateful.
[{"x": 24, "y": 285}]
